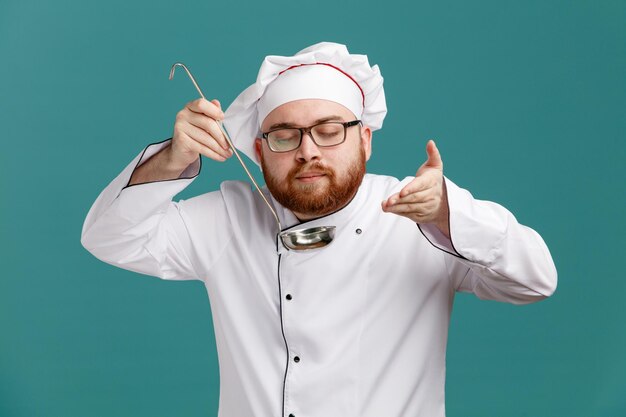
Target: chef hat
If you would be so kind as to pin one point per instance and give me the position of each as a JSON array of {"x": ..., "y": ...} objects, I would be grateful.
[{"x": 323, "y": 71}]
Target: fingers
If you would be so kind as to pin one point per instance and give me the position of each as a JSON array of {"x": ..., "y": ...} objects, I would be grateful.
[
  {"x": 197, "y": 131},
  {"x": 419, "y": 212},
  {"x": 420, "y": 200},
  {"x": 417, "y": 190},
  {"x": 421, "y": 197},
  {"x": 420, "y": 183},
  {"x": 434, "y": 157},
  {"x": 210, "y": 126},
  {"x": 415, "y": 197},
  {"x": 207, "y": 140},
  {"x": 200, "y": 148},
  {"x": 211, "y": 109}
]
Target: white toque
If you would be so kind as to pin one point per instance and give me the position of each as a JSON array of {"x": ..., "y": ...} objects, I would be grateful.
[{"x": 323, "y": 71}]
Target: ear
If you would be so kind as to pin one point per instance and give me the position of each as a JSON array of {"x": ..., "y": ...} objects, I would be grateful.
[
  {"x": 366, "y": 141},
  {"x": 258, "y": 148}
]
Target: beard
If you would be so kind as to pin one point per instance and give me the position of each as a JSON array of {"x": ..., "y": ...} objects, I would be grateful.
[{"x": 316, "y": 199}]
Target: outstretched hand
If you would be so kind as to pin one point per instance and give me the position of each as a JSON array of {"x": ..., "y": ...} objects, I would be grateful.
[{"x": 423, "y": 200}]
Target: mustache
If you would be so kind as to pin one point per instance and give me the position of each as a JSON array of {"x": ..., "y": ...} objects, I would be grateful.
[{"x": 312, "y": 166}]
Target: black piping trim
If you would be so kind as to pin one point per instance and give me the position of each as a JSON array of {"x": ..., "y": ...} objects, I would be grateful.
[
  {"x": 321, "y": 217},
  {"x": 452, "y": 243},
  {"x": 437, "y": 247},
  {"x": 457, "y": 254},
  {"x": 282, "y": 329},
  {"x": 128, "y": 185}
]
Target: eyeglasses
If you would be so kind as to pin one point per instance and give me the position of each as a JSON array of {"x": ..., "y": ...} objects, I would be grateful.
[{"x": 323, "y": 134}]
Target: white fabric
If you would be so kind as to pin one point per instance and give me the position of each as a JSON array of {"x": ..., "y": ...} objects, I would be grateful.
[
  {"x": 312, "y": 81},
  {"x": 242, "y": 119},
  {"x": 369, "y": 313}
]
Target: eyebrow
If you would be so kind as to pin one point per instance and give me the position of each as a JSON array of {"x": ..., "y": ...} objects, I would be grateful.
[{"x": 286, "y": 125}]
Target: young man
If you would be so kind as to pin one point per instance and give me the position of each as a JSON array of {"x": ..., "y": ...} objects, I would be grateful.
[{"x": 355, "y": 328}]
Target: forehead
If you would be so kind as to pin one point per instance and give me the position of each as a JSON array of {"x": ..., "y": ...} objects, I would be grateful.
[{"x": 306, "y": 112}]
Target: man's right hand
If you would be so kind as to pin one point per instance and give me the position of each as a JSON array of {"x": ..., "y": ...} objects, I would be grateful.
[{"x": 196, "y": 132}]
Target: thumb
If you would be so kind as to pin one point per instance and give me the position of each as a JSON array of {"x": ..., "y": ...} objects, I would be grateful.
[
  {"x": 434, "y": 158},
  {"x": 217, "y": 103}
]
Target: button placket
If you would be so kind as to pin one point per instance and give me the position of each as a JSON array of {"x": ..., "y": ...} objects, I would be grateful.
[{"x": 287, "y": 324}]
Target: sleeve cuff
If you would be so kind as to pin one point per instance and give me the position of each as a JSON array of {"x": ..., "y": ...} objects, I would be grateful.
[
  {"x": 476, "y": 227},
  {"x": 434, "y": 235},
  {"x": 190, "y": 172},
  {"x": 437, "y": 239},
  {"x": 138, "y": 200}
]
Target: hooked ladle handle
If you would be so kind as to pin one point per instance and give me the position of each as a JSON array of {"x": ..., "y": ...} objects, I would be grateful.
[{"x": 227, "y": 137}]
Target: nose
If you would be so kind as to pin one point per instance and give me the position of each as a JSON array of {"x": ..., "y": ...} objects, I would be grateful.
[{"x": 308, "y": 150}]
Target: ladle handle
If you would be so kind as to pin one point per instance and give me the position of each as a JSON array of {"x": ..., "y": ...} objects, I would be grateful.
[{"x": 230, "y": 143}]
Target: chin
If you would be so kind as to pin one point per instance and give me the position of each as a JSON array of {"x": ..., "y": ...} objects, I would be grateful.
[{"x": 308, "y": 187}]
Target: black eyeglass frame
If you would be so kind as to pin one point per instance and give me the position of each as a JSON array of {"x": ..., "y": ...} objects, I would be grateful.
[{"x": 304, "y": 130}]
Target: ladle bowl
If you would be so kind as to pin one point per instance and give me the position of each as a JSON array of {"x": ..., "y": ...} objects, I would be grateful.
[{"x": 311, "y": 238}]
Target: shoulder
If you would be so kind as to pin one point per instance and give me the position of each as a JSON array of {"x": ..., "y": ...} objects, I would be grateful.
[
  {"x": 378, "y": 180},
  {"x": 235, "y": 189},
  {"x": 230, "y": 193}
]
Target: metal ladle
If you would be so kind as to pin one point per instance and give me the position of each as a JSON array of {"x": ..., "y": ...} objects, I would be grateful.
[{"x": 300, "y": 239}]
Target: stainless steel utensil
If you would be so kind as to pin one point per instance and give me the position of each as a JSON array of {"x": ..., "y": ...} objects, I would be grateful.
[{"x": 298, "y": 240}]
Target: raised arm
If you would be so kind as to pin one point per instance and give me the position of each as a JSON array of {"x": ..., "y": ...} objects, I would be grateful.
[
  {"x": 134, "y": 224},
  {"x": 490, "y": 253}
]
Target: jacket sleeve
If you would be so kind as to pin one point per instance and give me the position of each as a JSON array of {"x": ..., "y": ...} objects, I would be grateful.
[
  {"x": 490, "y": 253},
  {"x": 139, "y": 227}
]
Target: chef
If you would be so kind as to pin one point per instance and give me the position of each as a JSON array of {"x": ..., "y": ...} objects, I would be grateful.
[{"x": 355, "y": 328}]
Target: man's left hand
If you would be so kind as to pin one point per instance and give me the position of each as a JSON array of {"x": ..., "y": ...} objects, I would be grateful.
[{"x": 424, "y": 200}]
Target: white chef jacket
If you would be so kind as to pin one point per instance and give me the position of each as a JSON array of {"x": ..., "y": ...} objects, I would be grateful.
[{"x": 356, "y": 328}]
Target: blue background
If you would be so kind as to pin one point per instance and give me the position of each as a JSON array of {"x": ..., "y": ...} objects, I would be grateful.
[{"x": 525, "y": 99}]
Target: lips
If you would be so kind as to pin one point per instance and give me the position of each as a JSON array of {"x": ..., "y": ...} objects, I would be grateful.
[
  {"x": 312, "y": 174},
  {"x": 310, "y": 177}
]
